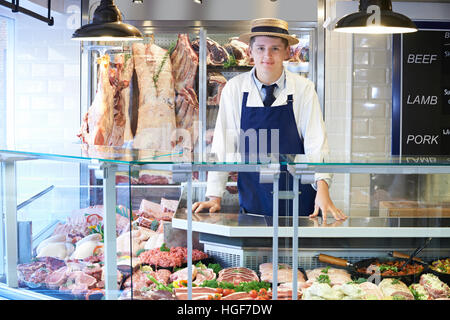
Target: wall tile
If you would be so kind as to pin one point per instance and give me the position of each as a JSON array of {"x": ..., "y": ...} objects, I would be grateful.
[
  {"x": 371, "y": 41},
  {"x": 360, "y": 195},
  {"x": 379, "y": 126},
  {"x": 380, "y": 58},
  {"x": 360, "y": 92},
  {"x": 361, "y": 58},
  {"x": 360, "y": 180},
  {"x": 369, "y": 109},
  {"x": 369, "y": 144},
  {"x": 380, "y": 92},
  {"x": 370, "y": 75},
  {"x": 360, "y": 126}
]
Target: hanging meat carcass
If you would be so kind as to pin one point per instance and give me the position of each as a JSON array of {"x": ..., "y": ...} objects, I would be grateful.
[
  {"x": 185, "y": 64},
  {"x": 125, "y": 67},
  {"x": 98, "y": 122},
  {"x": 156, "y": 110},
  {"x": 187, "y": 110}
]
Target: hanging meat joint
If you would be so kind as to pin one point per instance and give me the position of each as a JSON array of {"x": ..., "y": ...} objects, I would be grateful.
[
  {"x": 185, "y": 63},
  {"x": 98, "y": 122},
  {"x": 156, "y": 107}
]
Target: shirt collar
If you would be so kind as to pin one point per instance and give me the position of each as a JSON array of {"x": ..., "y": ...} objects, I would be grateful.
[{"x": 280, "y": 82}]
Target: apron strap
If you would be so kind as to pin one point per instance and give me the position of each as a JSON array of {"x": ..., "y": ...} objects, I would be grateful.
[{"x": 244, "y": 99}]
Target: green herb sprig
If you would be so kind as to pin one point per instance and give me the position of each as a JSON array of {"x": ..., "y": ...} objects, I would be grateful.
[{"x": 163, "y": 61}]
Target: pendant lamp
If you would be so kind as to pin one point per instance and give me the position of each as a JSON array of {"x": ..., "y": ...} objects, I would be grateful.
[
  {"x": 107, "y": 25},
  {"x": 376, "y": 17}
]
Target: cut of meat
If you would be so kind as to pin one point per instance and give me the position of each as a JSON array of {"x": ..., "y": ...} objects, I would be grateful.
[
  {"x": 150, "y": 209},
  {"x": 434, "y": 286},
  {"x": 392, "y": 288},
  {"x": 371, "y": 290},
  {"x": 336, "y": 276},
  {"x": 169, "y": 205},
  {"x": 98, "y": 121},
  {"x": 198, "y": 293},
  {"x": 78, "y": 283},
  {"x": 284, "y": 273},
  {"x": 236, "y": 275},
  {"x": 156, "y": 111},
  {"x": 155, "y": 177},
  {"x": 216, "y": 82},
  {"x": 139, "y": 279},
  {"x": 239, "y": 50},
  {"x": 187, "y": 115},
  {"x": 122, "y": 125},
  {"x": 57, "y": 278},
  {"x": 163, "y": 276},
  {"x": 182, "y": 274},
  {"x": 216, "y": 55},
  {"x": 184, "y": 63},
  {"x": 204, "y": 274},
  {"x": 175, "y": 257},
  {"x": 238, "y": 296}
]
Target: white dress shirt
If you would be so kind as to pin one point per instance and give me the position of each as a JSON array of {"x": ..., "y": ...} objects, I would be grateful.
[
  {"x": 307, "y": 112},
  {"x": 281, "y": 83}
]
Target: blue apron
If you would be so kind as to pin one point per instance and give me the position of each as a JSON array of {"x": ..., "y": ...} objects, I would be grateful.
[{"x": 255, "y": 197}]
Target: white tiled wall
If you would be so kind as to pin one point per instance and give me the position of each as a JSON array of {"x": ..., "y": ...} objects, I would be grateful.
[
  {"x": 46, "y": 104},
  {"x": 357, "y": 107}
]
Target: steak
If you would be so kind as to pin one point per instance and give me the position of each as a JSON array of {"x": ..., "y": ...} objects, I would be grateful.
[
  {"x": 236, "y": 275},
  {"x": 239, "y": 50},
  {"x": 216, "y": 55},
  {"x": 57, "y": 278}
]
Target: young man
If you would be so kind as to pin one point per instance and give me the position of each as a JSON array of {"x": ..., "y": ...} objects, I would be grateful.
[{"x": 269, "y": 99}]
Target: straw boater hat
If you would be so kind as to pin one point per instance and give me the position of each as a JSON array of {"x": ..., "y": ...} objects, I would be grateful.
[{"x": 269, "y": 27}]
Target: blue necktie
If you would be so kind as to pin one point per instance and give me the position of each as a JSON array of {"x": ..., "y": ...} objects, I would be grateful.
[{"x": 269, "y": 98}]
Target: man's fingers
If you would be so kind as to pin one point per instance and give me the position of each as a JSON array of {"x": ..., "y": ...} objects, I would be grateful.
[
  {"x": 200, "y": 208},
  {"x": 338, "y": 214},
  {"x": 315, "y": 213}
]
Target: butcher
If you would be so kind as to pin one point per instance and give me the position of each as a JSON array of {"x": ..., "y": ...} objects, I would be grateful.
[{"x": 266, "y": 98}]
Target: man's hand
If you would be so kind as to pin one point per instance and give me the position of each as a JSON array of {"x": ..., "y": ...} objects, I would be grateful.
[
  {"x": 213, "y": 205},
  {"x": 324, "y": 203}
]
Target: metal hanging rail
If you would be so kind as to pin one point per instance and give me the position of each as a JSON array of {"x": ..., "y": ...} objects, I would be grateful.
[{"x": 15, "y": 7}]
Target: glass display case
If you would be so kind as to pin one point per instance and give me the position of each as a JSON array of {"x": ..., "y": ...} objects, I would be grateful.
[{"x": 131, "y": 237}]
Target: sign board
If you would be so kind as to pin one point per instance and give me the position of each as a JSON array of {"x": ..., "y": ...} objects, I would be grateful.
[{"x": 421, "y": 91}]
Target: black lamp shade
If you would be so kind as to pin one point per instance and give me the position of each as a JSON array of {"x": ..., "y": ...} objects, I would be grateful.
[
  {"x": 107, "y": 25},
  {"x": 362, "y": 22}
]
